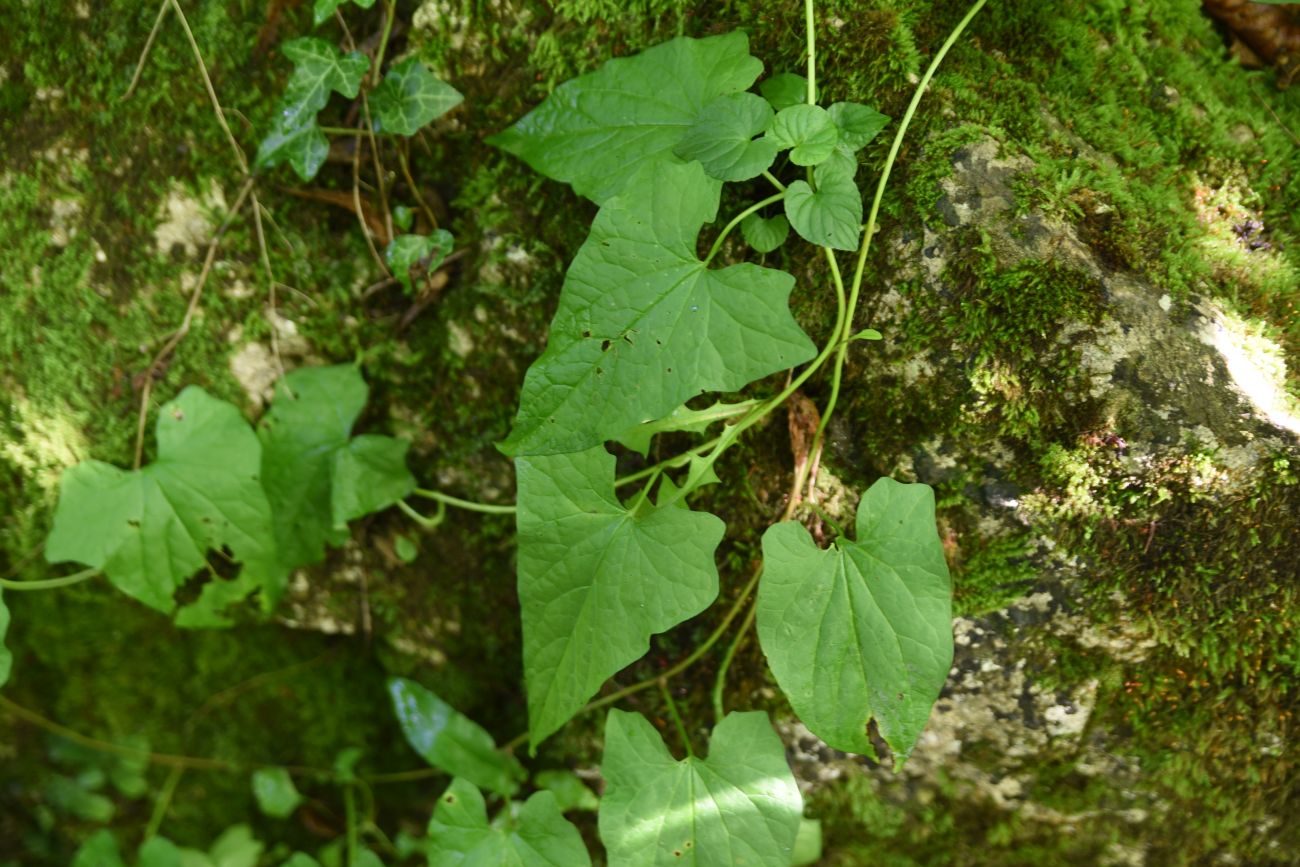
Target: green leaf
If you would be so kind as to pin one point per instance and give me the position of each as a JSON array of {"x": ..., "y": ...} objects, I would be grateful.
[
  {"x": 597, "y": 580},
  {"x": 310, "y": 484},
  {"x": 765, "y": 235},
  {"x": 403, "y": 217},
  {"x": 570, "y": 792},
  {"x": 868, "y": 334},
  {"x": 451, "y": 741},
  {"x": 807, "y": 130},
  {"x": 417, "y": 255},
  {"x": 831, "y": 215},
  {"x": 808, "y": 843},
  {"x": 236, "y": 847},
  {"x": 325, "y": 8},
  {"x": 862, "y": 630},
  {"x": 150, "y": 529},
  {"x": 275, "y": 792},
  {"x": 600, "y": 130},
  {"x": 301, "y": 859},
  {"x": 159, "y": 852},
  {"x": 722, "y": 139},
  {"x": 740, "y": 805},
  {"x": 411, "y": 96},
  {"x": 406, "y": 550},
  {"x": 841, "y": 162},
  {"x": 858, "y": 124},
  {"x": 99, "y": 850},
  {"x": 6, "y": 658},
  {"x": 295, "y": 138},
  {"x": 784, "y": 90},
  {"x": 682, "y": 419},
  {"x": 538, "y": 836},
  {"x": 643, "y": 324}
]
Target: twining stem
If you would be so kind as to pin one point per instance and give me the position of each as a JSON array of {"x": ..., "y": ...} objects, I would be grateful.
[
  {"x": 736, "y": 220},
  {"x": 350, "y": 812},
  {"x": 425, "y": 522},
  {"x": 775, "y": 181},
  {"x": 49, "y": 583},
  {"x": 468, "y": 505},
  {"x": 720, "y": 681},
  {"x": 677, "y": 717},
  {"x": 811, "y": 28},
  {"x": 390, "y": 14},
  {"x": 843, "y": 333}
]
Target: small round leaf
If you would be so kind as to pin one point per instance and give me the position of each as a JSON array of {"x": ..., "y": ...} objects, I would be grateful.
[
  {"x": 808, "y": 131},
  {"x": 765, "y": 234}
]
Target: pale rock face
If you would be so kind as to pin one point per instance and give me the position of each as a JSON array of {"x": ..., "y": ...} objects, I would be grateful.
[{"x": 187, "y": 221}]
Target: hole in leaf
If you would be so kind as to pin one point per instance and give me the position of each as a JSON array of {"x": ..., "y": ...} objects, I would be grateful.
[
  {"x": 133, "y": 523},
  {"x": 604, "y": 345},
  {"x": 450, "y": 799},
  {"x": 586, "y": 333}
]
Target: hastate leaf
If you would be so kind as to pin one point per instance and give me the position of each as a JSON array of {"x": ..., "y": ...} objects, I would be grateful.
[
  {"x": 598, "y": 131},
  {"x": 411, "y": 96},
  {"x": 597, "y": 580},
  {"x": 316, "y": 476},
  {"x": 149, "y": 530},
  {"x": 740, "y": 805},
  {"x": 858, "y": 124},
  {"x": 451, "y": 741},
  {"x": 807, "y": 130},
  {"x": 863, "y": 630},
  {"x": 643, "y": 324},
  {"x": 829, "y": 216},
  {"x": 723, "y": 138},
  {"x": 537, "y": 836},
  {"x": 6, "y": 658}
]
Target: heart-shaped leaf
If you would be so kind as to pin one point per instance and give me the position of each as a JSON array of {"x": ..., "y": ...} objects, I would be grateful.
[
  {"x": 784, "y": 90},
  {"x": 537, "y": 836},
  {"x": 831, "y": 215},
  {"x": 740, "y": 805},
  {"x": 411, "y": 96},
  {"x": 596, "y": 579},
  {"x": 599, "y": 130},
  {"x": 722, "y": 139},
  {"x": 807, "y": 130},
  {"x": 858, "y": 124},
  {"x": 863, "y": 630},
  {"x": 765, "y": 234}
]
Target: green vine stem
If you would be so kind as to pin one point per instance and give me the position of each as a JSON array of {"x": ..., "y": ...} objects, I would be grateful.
[
  {"x": 427, "y": 523},
  {"x": 50, "y": 583},
  {"x": 736, "y": 221},
  {"x": 467, "y": 505},
  {"x": 844, "y": 331},
  {"x": 677, "y": 717},
  {"x": 720, "y": 681}
]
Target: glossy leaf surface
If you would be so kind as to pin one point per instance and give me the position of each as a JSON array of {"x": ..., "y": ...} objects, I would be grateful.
[
  {"x": 310, "y": 486},
  {"x": 150, "y": 529},
  {"x": 598, "y": 131},
  {"x": 740, "y": 805},
  {"x": 451, "y": 741},
  {"x": 537, "y": 836},
  {"x": 862, "y": 630},
  {"x": 411, "y": 96},
  {"x": 597, "y": 580},
  {"x": 831, "y": 215},
  {"x": 723, "y": 138},
  {"x": 807, "y": 130},
  {"x": 643, "y": 324}
]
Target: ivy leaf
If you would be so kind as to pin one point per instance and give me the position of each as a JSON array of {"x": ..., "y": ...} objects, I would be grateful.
[
  {"x": 537, "y": 836},
  {"x": 596, "y": 580},
  {"x": 740, "y": 805},
  {"x": 643, "y": 324},
  {"x": 318, "y": 68},
  {"x": 150, "y": 529},
  {"x": 831, "y": 215},
  {"x": 862, "y": 630},
  {"x": 784, "y": 90},
  {"x": 858, "y": 124},
  {"x": 325, "y": 8},
  {"x": 295, "y": 138},
  {"x": 6, "y": 658},
  {"x": 765, "y": 234},
  {"x": 722, "y": 139},
  {"x": 570, "y": 792},
  {"x": 451, "y": 741},
  {"x": 411, "y": 96},
  {"x": 682, "y": 419},
  {"x": 275, "y": 792},
  {"x": 418, "y": 255},
  {"x": 316, "y": 475},
  {"x": 807, "y": 130},
  {"x": 598, "y": 131}
]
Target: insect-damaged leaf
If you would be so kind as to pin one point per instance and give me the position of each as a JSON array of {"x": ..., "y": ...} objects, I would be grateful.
[
  {"x": 537, "y": 835},
  {"x": 831, "y": 215},
  {"x": 451, "y": 741},
  {"x": 862, "y": 630},
  {"x": 740, "y": 805},
  {"x": 722, "y": 139},
  {"x": 597, "y": 580},
  {"x": 150, "y": 529},
  {"x": 410, "y": 96},
  {"x": 317, "y": 477},
  {"x": 643, "y": 324},
  {"x": 599, "y": 130}
]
